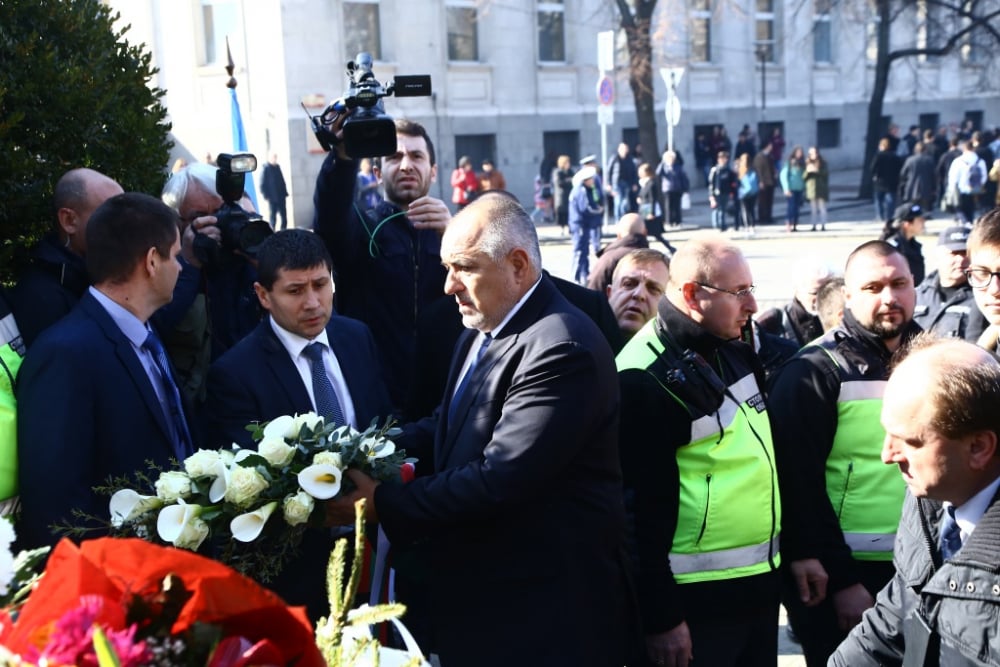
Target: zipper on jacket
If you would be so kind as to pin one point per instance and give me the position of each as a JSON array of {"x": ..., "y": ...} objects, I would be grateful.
[
  {"x": 708, "y": 499},
  {"x": 847, "y": 482}
]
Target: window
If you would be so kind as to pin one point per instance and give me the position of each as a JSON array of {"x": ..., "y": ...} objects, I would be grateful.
[
  {"x": 871, "y": 39},
  {"x": 764, "y": 34},
  {"x": 828, "y": 133},
  {"x": 822, "y": 39},
  {"x": 361, "y": 29},
  {"x": 701, "y": 31},
  {"x": 551, "y": 36},
  {"x": 928, "y": 30},
  {"x": 463, "y": 39},
  {"x": 220, "y": 19},
  {"x": 476, "y": 147},
  {"x": 558, "y": 143},
  {"x": 929, "y": 121}
]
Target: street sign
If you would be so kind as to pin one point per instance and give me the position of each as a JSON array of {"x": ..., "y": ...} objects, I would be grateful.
[
  {"x": 672, "y": 75},
  {"x": 673, "y": 110},
  {"x": 606, "y": 91},
  {"x": 605, "y": 114},
  {"x": 606, "y": 51}
]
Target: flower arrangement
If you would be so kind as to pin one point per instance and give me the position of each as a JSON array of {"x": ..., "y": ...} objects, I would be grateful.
[
  {"x": 253, "y": 505},
  {"x": 127, "y": 602}
]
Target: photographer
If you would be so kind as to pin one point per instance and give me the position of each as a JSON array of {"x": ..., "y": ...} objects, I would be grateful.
[
  {"x": 387, "y": 258},
  {"x": 214, "y": 304}
]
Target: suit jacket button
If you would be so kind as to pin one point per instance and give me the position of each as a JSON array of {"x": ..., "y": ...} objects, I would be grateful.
[{"x": 970, "y": 587}]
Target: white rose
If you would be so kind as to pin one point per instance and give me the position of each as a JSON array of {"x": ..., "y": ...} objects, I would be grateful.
[
  {"x": 310, "y": 419},
  {"x": 331, "y": 458},
  {"x": 245, "y": 484},
  {"x": 193, "y": 535},
  {"x": 202, "y": 463},
  {"x": 276, "y": 451},
  {"x": 282, "y": 427},
  {"x": 173, "y": 485},
  {"x": 297, "y": 508}
]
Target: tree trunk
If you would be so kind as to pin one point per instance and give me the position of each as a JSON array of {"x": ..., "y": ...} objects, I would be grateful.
[
  {"x": 640, "y": 75},
  {"x": 883, "y": 64}
]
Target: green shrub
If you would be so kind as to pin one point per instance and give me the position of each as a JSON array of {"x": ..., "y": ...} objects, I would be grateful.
[{"x": 73, "y": 93}]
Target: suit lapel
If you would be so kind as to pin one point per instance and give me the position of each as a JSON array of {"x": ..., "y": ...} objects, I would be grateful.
[
  {"x": 130, "y": 361},
  {"x": 354, "y": 374},
  {"x": 283, "y": 368}
]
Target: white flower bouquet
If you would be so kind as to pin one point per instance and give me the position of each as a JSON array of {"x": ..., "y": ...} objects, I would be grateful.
[{"x": 250, "y": 507}]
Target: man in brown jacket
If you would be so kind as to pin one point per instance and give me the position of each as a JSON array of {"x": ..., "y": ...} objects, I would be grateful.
[{"x": 767, "y": 176}]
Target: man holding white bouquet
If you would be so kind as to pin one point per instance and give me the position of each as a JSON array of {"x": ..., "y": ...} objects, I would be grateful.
[{"x": 301, "y": 359}]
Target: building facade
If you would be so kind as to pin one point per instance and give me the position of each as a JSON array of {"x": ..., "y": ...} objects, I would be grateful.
[{"x": 516, "y": 81}]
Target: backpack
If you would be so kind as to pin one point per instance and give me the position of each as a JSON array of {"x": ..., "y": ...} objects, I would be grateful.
[{"x": 975, "y": 177}]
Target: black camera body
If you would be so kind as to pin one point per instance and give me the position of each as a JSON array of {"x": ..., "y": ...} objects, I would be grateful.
[
  {"x": 241, "y": 230},
  {"x": 368, "y": 130}
]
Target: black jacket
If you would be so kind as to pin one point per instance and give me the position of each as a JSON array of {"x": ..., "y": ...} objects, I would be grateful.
[
  {"x": 49, "y": 287},
  {"x": 802, "y": 403},
  {"x": 387, "y": 271},
  {"x": 955, "y": 317},
  {"x": 912, "y": 250},
  {"x": 933, "y": 613},
  {"x": 791, "y": 321},
  {"x": 653, "y": 426}
]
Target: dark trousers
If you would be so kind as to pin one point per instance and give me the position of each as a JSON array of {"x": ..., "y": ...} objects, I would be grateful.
[
  {"x": 765, "y": 202},
  {"x": 816, "y": 627},
  {"x": 277, "y": 207}
]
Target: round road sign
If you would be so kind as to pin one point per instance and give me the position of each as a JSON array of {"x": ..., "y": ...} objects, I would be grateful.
[{"x": 605, "y": 90}]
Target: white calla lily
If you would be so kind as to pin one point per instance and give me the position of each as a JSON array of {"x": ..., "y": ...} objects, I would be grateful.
[
  {"x": 282, "y": 427},
  {"x": 377, "y": 448},
  {"x": 247, "y": 527},
  {"x": 127, "y": 504},
  {"x": 173, "y": 519},
  {"x": 218, "y": 489},
  {"x": 321, "y": 481}
]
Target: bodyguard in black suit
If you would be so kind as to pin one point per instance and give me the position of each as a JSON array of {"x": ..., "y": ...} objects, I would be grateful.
[
  {"x": 94, "y": 397},
  {"x": 270, "y": 373},
  {"x": 519, "y": 505}
]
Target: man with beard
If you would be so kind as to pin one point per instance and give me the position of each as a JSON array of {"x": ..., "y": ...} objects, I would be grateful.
[
  {"x": 842, "y": 505},
  {"x": 387, "y": 259}
]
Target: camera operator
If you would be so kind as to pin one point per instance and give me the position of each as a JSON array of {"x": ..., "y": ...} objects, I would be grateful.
[
  {"x": 214, "y": 304},
  {"x": 387, "y": 258}
]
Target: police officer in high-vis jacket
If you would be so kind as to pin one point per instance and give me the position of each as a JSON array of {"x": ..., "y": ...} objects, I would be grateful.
[
  {"x": 842, "y": 505},
  {"x": 11, "y": 354},
  {"x": 699, "y": 468}
]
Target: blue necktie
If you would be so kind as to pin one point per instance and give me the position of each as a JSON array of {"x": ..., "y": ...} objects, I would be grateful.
[
  {"x": 951, "y": 534},
  {"x": 327, "y": 403},
  {"x": 463, "y": 385},
  {"x": 183, "y": 447}
]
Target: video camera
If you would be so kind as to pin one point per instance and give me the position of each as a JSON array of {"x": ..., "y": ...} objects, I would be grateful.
[
  {"x": 368, "y": 131},
  {"x": 241, "y": 230}
]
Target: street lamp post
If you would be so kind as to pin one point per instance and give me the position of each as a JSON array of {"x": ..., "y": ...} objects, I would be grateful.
[{"x": 761, "y": 53}]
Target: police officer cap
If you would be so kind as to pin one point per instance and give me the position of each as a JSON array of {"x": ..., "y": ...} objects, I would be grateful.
[
  {"x": 588, "y": 159},
  {"x": 954, "y": 238}
]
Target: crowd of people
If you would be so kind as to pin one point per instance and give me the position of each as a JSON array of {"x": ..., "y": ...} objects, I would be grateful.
[{"x": 636, "y": 472}]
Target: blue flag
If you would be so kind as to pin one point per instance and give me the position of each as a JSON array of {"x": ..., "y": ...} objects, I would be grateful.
[{"x": 240, "y": 144}]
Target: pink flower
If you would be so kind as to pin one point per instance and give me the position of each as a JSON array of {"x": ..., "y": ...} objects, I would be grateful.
[{"x": 72, "y": 639}]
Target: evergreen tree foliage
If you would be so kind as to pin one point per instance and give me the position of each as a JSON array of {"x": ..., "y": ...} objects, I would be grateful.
[{"x": 73, "y": 93}]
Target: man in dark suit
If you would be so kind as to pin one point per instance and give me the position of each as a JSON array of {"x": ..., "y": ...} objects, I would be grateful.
[
  {"x": 270, "y": 373},
  {"x": 96, "y": 397},
  {"x": 518, "y": 506}
]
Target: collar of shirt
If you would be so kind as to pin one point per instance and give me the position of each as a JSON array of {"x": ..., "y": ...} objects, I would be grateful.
[
  {"x": 295, "y": 343},
  {"x": 969, "y": 513},
  {"x": 478, "y": 341},
  {"x": 129, "y": 324}
]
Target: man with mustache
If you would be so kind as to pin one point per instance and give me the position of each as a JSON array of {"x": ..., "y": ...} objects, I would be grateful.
[{"x": 842, "y": 505}]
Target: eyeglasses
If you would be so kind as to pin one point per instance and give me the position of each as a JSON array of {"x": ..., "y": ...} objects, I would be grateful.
[
  {"x": 739, "y": 294},
  {"x": 980, "y": 278}
]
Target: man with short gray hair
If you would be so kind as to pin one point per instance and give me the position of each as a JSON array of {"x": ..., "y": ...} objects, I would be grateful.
[{"x": 946, "y": 305}]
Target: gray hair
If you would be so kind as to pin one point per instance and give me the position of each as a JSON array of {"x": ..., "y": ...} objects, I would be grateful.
[
  {"x": 176, "y": 188},
  {"x": 508, "y": 226}
]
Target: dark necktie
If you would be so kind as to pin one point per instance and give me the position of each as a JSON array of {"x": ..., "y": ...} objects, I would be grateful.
[
  {"x": 463, "y": 385},
  {"x": 951, "y": 534},
  {"x": 327, "y": 403},
  {"x": 183, "y": 447}
]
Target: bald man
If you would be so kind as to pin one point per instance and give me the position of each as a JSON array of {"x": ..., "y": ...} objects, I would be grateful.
[
  {"x": 699, "y": 471},
  {"x": 630, "y": 234},
  {"x": 56, "y": 277},
  {"x": 942, "y": 426}
]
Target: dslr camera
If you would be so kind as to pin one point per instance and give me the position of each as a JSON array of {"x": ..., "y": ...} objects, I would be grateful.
[
  {"x": 241, "y": 230},
  {"x": 368, "y": 130}
]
